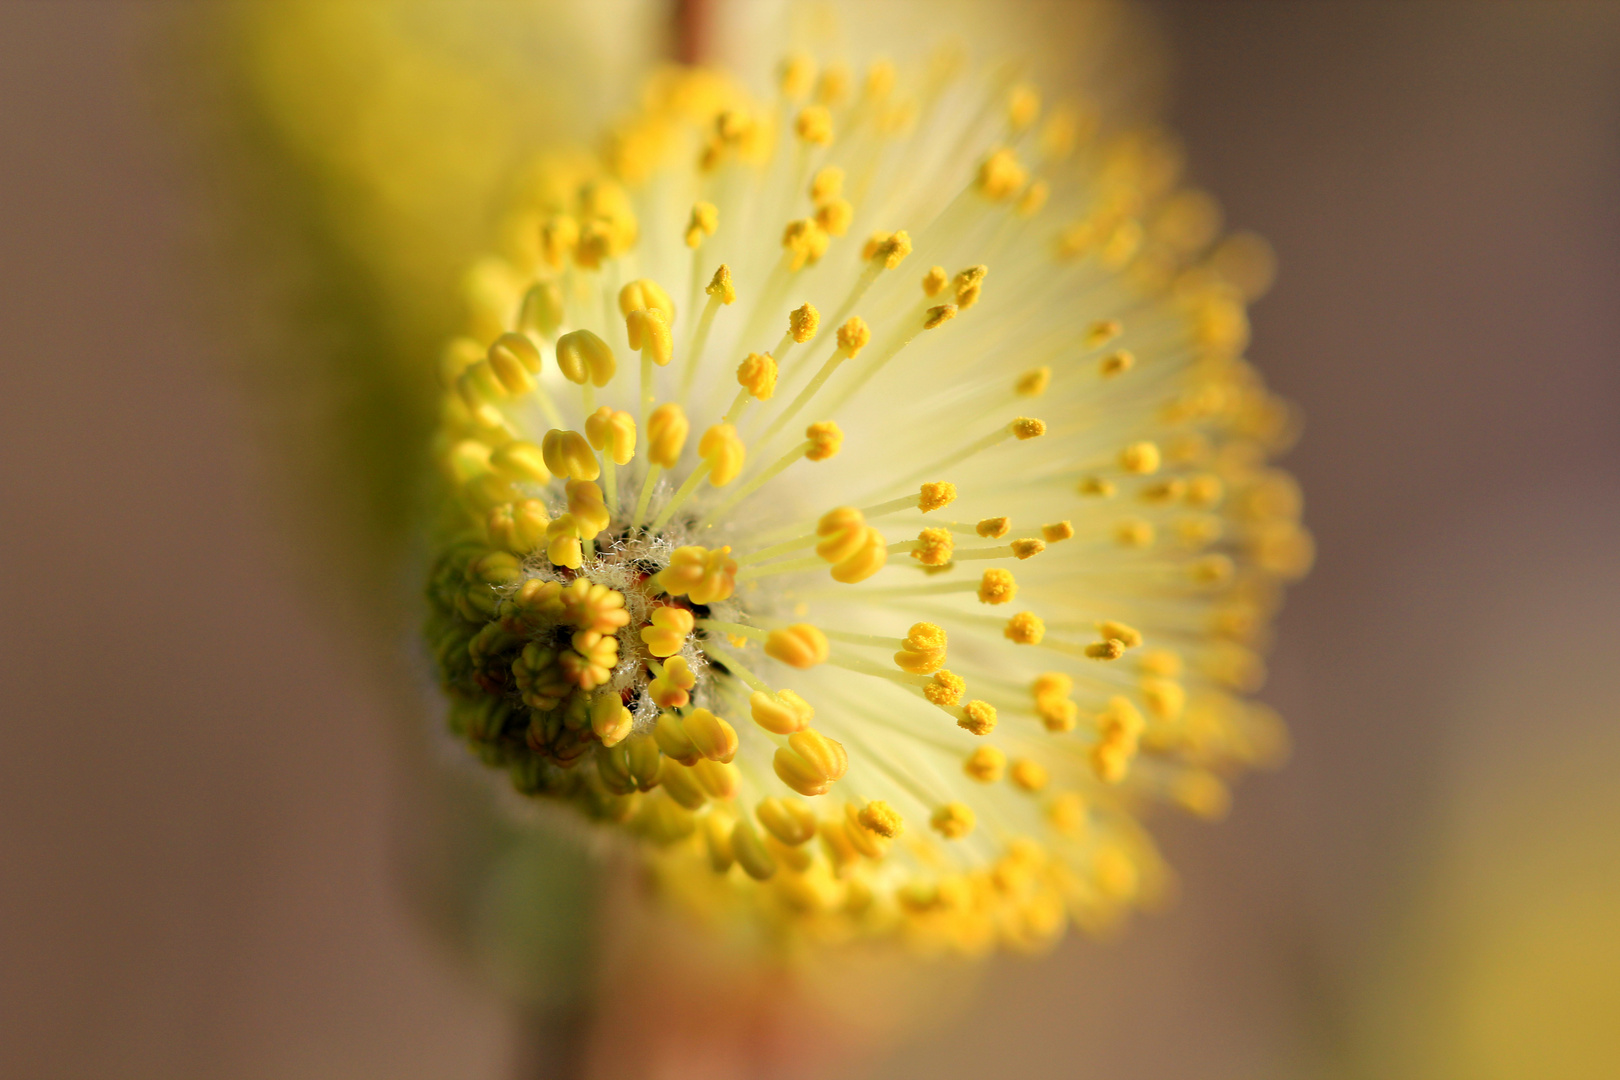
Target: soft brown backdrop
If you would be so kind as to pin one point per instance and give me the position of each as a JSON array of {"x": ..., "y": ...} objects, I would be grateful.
[{"x": 195, "y": 771}]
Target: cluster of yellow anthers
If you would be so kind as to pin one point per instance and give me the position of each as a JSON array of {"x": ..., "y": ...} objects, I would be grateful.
[{"x": 811, "y": 604}]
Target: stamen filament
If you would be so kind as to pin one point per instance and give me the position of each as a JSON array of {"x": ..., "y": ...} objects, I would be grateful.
[
  {"x": 682, "y": 493},
  {"x": 759, "y": 481},
  {"x": 647, "y": 484}
]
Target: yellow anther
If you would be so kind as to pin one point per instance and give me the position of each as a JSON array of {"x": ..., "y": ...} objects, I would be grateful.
[
  {"x": 680, "y": 783},
  {"x": 720, "y": 286},
  {"x": 585, "y": 505},
  {"x": 986, "y": 764},
  {"x": 953, "y": 821},
  {"x": 1033, "y": 198},
  {"x": 1140, "y": 457},
  {"x": 673, "y": 689},
  {"x": 1163, "y": 698},
  {"x": 978, "y": 718},
  {"x": 1202, "y": 793},
  {"x": 1057, "y": 713},
  {"x": 1129, "y": 636},
  {"x": 825, "y": 438},
  {"x": 967, "y": 285},
  {"x": 935, "y": 280},
  {"x": 997, "y": 587},
  {"x": 934, "y": 547},
  {"x": 936, "y": 316},
  {"x": 717, "y": 827},
  {"x": 1024, "y": 628},
  {"x": 750, "y": 851},
  {"x": 1117, "y": 362},
  {"x": 810, "y": 763},
  {"x": 518, "y": 527},
  {"x": 867, "y": 559},
  {"x": 800, "y": 645},
  {"x": 649, "y": 332},
  {"x": 881, "y": 818},
  {"x": 588, "y": 662},
  {"x": 559, "y": 235},
  {"x": 803, "y": 321},
  {"x": 673, "y": 741},
  {"x": 1028, "y": 548},
  {"x": 1067, "y": 813},
  {"x": 1060, "y": 530},
  {"x": 814, "y": 125},
  {"x": 834, "y": 85},
  {"x": 835, "y": 217},
  {"x": 562, "y": 542},
  {"x": 1111, "y": 649},
  {"x": 923, "y": 650},
  {"x": 806, "y": 241},
  {"x": 1211, "y": 570},
  {"x": 1028, "y": 775},
  {"x": 842, "y": 532},
  {"x": 723, "y": 449},
  {"x": 612, "y": 431},
  {"x": 1033, "y": 383},
  {"x": 1052, "y": 684},
  {"x": 936, "y": 496},
  {"x": 647, "y": 293},
  {"x": 702, "y": 575},
  {"x": 790, "y": 821},
  {"x": 514, "y": 357},
  {"x": 610, "y": 719},
  {"x": 1023, "y": 106},
  {"x": 711, "y": 736},
  {"x": 1163, "y": 491},
  {"x": 993, "y": 528},
  {"x": 945, "y": 689},
  {"x": 781, "y": 713},
  {"x": 854, "y": 336},
  {"x": 704, "y": 221},
  {"x": 1001, "y": 176},
  {"x": 827, "y": 185},
  {"x": 879, "y": 79},
  {"x": 797, "y": 76},
  {"x": 1134, "y": 532},
  {"x": 667, "y": 428},
  {"x": 496, "y": 568},
  {"x": 757, "y": 374},
  {"x": 478, "y": 386},
  {"x": 667, "y": 630},
  {"x": 892, "y": 248},
  {"x": 1097, "y": 487},
  {"x": 1026, "y": 427},
  {"x": 566, "y": 453},
  {"x": 1102, "y": 332},
  {"x": 520, "y": 460},
  {"x": 1204, "y": 490},
  {"x": 1163, "y": 663}
]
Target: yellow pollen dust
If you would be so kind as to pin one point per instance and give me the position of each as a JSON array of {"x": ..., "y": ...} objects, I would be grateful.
[
  {"x": 814, "y": 125},
  {"x": 891, "y": 248},
  {"x": 1129, "y": 636},
  {"x": 827, "y": 185},
  {"x": 937, "y": 316},
  {"x": 997, "y": 587},
  {"x": 935, "y": 280},
  {"x": 1023, "y": 106},
  {"x": 1025, "y": 428},
  {"x": 803, "y": 322},
  {"x": 978, "y": 718},
  {"x": 854, "y": 336},
  {"x": 1028, "y": 548},
  {"x": 1096, "y": 486},
  {"x": 1028, "y": 775},
  {"x": 757, "y": 374},
  {"x": 1060, "y": 530},
  {"x": 1116, "y": 363},
  {"x": 936, "y": 496},
  {"x": 934, "y": 547},
  {"x": 1033, "y": 198},
  {"x": 1025, "y": 628},
  {"x": 797, "y": 76},
  {"x": 881, "y": 818},
  {"x": 720, "y": 286},
  {"x": 1102, "y": 332},
  {"x": 835, "y": 217},
  {"x": 945, "y": 689},
  {"x": 968, "y": 284},
  {"x": 993, "y": 528},
  {"x": 1141, "y": 458}
]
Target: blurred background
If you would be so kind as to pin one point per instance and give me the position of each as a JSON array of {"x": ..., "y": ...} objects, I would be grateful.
[{"x": 202, "y": 777}]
